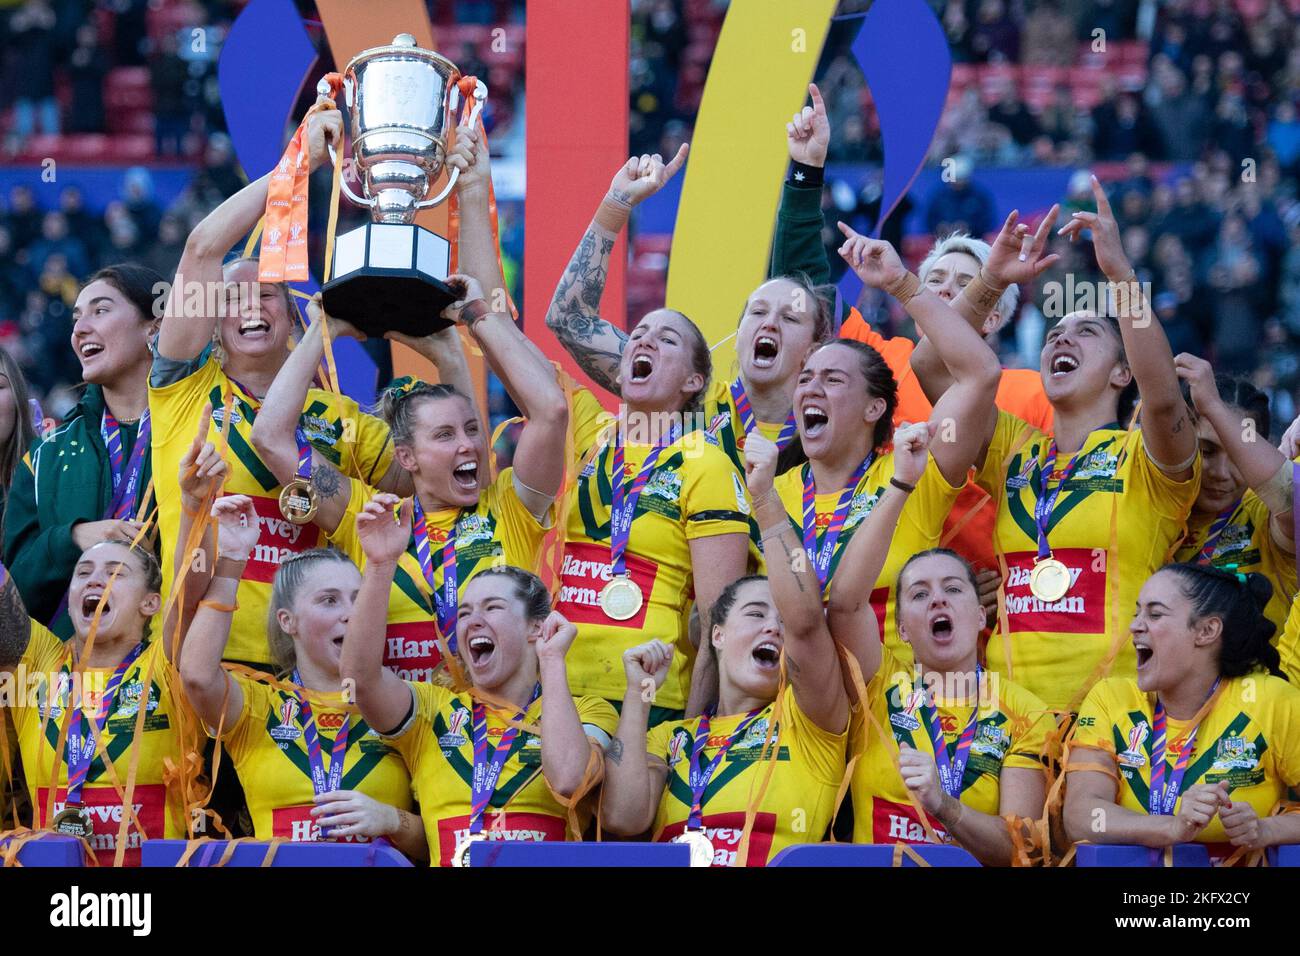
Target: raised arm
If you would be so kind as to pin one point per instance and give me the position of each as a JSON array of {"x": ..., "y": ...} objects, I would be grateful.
[
  {"x": 849, "y": 613},
  {"x": 574, "y": 313},
  {"x": 810, "y": 656},
  {"x": 1014, "y": 258},
  {"x": 202, "y": 473},
  {"x": 183, "y": 336},
  {"x": 797, "y": 243},
  {"x": 634, "y": 781},
  {"x": 1166, "y": 424},
  {"x": 966, "y": 413},
  {"x": 215, "y": 696},
  {"x": 566, "y": 749},
  {"x": 382, "y": 697},
  {"x": 1266, "y": 470},
  {"x": 15, "y": 624},
  {"x": 274, "y": 435}
]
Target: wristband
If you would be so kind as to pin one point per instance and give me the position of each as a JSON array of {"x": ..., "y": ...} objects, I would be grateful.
[
  {"x": 804, "y": 176},
  {"x": 612, "y": 214},
  {"x": 982, "y": 292},
  {"x": 904, "y": 289},
  {"x": 902, "y": 486},
  {"x": 775, "y": 531}
]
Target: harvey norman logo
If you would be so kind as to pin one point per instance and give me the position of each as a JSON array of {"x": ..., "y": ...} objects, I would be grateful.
[{"x": 77, "y": 909}]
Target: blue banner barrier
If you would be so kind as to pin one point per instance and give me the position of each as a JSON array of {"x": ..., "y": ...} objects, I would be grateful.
[
  {"x": 1185, "y": 854},
  {"x": 522, "y": 853},
  {"x": 168, "y": 853},
  {"x": 50, "y": 850},
  {"x": 862, "y": 854}
]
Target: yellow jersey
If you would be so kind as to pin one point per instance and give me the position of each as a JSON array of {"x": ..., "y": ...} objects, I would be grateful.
[
  {"x": 356, "y": 443},
  {"x": 1250, "y": 738},
  {"x": 720, "y": 406},
  {"x": 1054, "y": 648},
  {"x": 498, "y": 530},
  {"x": 1288, "y": 644},
  {"x": 1246, "y": 542},
  {"x": 270, "y": 756},
  {"x": 437, "y": 744},
  {"x": 919, "y": 528},
  {"x": 798, "y": 804},
  {"x": 695, "y": 491},
  {"x": 39, "y": 714},
  {"x": 1011, "y": 731}
]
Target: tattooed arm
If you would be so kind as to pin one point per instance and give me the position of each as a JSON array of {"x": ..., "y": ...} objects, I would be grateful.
[
  {"x": 15, "y": 625},
  {"x": 574, "y": 313},
  {"x": 274, "y": 437}
]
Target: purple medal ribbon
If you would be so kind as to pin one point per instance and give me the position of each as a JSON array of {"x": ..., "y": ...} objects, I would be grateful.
[
  {"x": 81, "y": 745},
  {"x": 304, "y": 454},
  {"x": 952, "y": 765},
  {"x": 821, "y": 557},
  {"x": 487, "y": 772},
  {"x": 444, "y": 606},
  {"x": 624, "y": 496},
  {"x": 746, "y": 412},
  {"x": 126, "y": 480},
  {"x": 321, "y": 782},
  {"x": 1161, "y": 797},
  {"x": 700, "y": 776},
  {"x": 1046, "y": 502}
]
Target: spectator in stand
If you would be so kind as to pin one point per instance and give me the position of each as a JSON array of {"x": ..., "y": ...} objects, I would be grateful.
[
  {"x": 1283, "y": 137},
  {"x": 1232, "y": 271},
  {"x": 55, "y": 240},
  {"x": 83, "y": 223},
  {"x": 1190, "y": 219},
  {"x": 87, "y": 67},
  {"x": 163, "y": 255},
  {"x": 960, "y": 205},
  {"x": 1060, "y": 119},
  {"x": 24, "y": 216},
  {"x": 957, "y": 28},
  {"x": 137, "y": 194},
  {"x": 1181, "y": 117},
  {"x": 1009, "y": 111},
  {"x": 15, "y": 279},
  {"x": 33, "y": 41},
  {"x": 168, "y": 74},
  {"x": 1121, "y": 127},
  {"x": 996, "y": 38},
  {"x": 1048, "y": 36}
]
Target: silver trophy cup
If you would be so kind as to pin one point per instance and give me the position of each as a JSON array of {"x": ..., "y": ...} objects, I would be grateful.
[{"x": 389, "y": 275}]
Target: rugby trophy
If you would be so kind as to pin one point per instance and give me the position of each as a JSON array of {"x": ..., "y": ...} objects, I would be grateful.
[{"x": 389, "y": 275}]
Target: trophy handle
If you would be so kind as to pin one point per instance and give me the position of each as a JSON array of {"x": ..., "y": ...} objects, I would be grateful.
[
  {"x": 480, "y": 95},
  {"x": 347, "y": 190}
]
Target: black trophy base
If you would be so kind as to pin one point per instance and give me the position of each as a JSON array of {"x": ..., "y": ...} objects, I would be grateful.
[{"x": 389, "y": 300}]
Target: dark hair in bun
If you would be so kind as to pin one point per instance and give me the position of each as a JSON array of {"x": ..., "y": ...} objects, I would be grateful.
[{"x": 1239, "y": 601}]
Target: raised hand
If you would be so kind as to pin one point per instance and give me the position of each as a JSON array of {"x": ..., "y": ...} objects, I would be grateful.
[
  {"x": 1011, "y": 260},
  {"x": 644, "y": 176},
  {"x": 556, "y": 638},
  {"x": 384, "y": 528},
  {"x": 324, "y": 128},
  {"x": 874, "y": 260},
  {"x": 808, "y": 134},
  {"x": 921, "y": 776},
  {"x": 202, "y": 470},
  {"x": 238, "y": 528},
  {"x": 646, "y": 665},
  {"x": 1106, "y": 244},
  {"x": 469, "y": 154},
  {"x": 760, "y": 463},
  {"x": 339, "y": 328},
  {"x": 467, "y": 289},
  {"x": 1199, "y": 375},
  {"x": 911, "y": 450}
]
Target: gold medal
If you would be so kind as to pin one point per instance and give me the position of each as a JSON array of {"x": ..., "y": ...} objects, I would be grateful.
[
  {"x": 701, "y": 846},
  {"x": 621, "y": 598},
  {"x": 73, "y": 821},
  {"x": 1049, "y": 580},
  {"x": 298, "y": 501},
  {"x": 461, "y": 856}
]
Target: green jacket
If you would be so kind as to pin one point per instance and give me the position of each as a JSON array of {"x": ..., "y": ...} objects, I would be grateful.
[
  {"x": 65, "y": 479},
  {"x": 797, "y": 242}
]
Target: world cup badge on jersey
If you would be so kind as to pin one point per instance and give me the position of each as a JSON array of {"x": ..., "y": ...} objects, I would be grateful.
[
  {"x": 1021, "y": 479},
  {"x": 1132, "y": 756},
  {"x": 453, "y": 737},
  {"x": 906, "y": 718},
  {"x": 677, "y": 747},
  {"x": 287, "y": 729}
]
